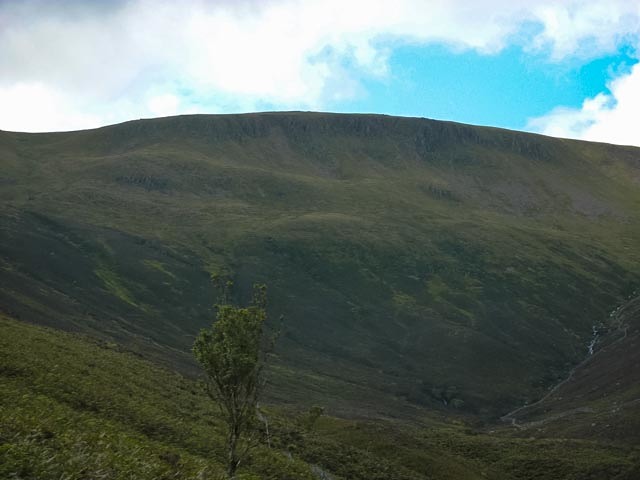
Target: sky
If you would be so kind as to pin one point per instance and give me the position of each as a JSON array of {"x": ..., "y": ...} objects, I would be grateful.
[{"x": 566, "y": 68}]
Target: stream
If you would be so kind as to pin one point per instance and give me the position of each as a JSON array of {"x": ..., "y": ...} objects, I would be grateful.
[{"x": 614, "y": 323}]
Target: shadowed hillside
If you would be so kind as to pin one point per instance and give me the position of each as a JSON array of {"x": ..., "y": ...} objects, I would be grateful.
[
  {"x": 84, "y": 409},
  {"x": 601, "y": 398},
  {"x": 417, "y": 263}
]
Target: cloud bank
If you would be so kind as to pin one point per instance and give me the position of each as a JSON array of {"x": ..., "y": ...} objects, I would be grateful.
[
  {"x": 78, "y": 64},
  {"x": 607, "y": 117}
]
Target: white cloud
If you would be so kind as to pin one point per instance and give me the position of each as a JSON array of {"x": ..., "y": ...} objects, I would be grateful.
[
  {"x": 164, "y": 105},
  {"x": 585, "y": 28},
  {"x": 101, "y": 62},
  {"x": 611, "y": 118},
  {"x": 36, "y": 107}
]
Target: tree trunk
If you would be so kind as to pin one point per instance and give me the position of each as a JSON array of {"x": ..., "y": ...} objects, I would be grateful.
[{"x": 232, "y": 455}]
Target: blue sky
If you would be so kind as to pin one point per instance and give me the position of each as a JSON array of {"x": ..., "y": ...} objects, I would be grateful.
[
  {"x": 504, "y": 90},
  {"x": 560, "y": 67}
]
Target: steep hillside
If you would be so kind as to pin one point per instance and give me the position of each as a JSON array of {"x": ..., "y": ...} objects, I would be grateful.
[
  {"x": 601, "y": 397},
  {"x": 416, "y": 262},
  {"x": 83, "y": 409}
]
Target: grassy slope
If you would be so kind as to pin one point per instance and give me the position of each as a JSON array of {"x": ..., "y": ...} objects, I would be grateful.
[
  {"x": 601, "y": 398},
  {"x": 416, "y": 261},
  {"x": 75, "y": 408}
]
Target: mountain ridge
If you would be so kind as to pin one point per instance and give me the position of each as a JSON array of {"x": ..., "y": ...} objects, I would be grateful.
[
  {"x": 326, "y": 114},
  {"x": 419, "y": 259}
]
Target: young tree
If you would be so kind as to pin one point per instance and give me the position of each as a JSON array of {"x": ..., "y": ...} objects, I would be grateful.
[{"x": 232, "y": 355}]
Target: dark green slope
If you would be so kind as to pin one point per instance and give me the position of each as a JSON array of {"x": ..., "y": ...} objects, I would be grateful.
[
  {"x": 416, "y": 262},
  {"x": 83, "y": 409},
  {"x": 601, "y": 397}
]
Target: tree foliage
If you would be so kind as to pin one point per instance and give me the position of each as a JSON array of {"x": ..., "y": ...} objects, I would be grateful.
[{"x": 232, "y": 355}]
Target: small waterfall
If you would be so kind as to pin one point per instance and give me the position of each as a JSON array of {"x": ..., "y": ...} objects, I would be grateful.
[{"x": 594, "y": 339}]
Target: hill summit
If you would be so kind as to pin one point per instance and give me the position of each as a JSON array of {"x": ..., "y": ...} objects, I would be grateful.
[{"x": 417, "y": 262}]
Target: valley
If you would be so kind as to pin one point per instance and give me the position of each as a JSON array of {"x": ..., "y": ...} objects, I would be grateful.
[{"x": 432, "y": 277}]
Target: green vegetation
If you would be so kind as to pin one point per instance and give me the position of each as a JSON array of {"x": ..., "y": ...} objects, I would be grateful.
[
  {"x": 416, "y": 262},
  {"x": 232, "y": 355},
  {"x": 112, "y": 284},
  {"x": 600, "y": 399},
  {"x": 73, "y": 408}
]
